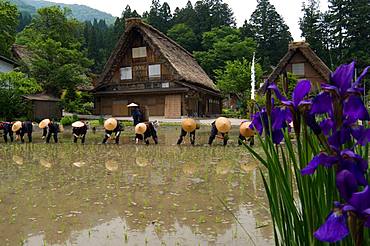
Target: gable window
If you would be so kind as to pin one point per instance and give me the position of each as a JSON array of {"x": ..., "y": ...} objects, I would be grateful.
[
  {"x": 139, "y": 52},
  {"x": 126, "y": 73},
  {"x": 298, "y": 69},
  {"x": 154, "y": 71}
]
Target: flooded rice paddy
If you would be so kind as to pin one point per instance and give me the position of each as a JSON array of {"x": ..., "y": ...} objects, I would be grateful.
[{"x": 68, "y": 194}]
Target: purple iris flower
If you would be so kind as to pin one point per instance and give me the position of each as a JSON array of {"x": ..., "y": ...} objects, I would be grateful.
[
  {"x": 300, "y": 92},
  {"x": 343, "y": 95},
  {"x": 280, "y": 119},
  {"x": 335, "y": 227},
  {"x": 346, "y": 160},
  {"x": 359, "y": 203}
]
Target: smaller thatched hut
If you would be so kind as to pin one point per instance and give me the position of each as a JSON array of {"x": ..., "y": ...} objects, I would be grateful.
[
  {"x": 44, "y": 106},
  {"x": 303, "y": 62}
]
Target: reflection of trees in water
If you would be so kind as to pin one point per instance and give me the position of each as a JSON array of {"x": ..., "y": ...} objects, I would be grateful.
[{"x": 146, "y": 186}]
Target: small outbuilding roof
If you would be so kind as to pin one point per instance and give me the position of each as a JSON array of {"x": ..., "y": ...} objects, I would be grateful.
[
  {"x": 308, "y": 53},
  {"x": 22, "y": 53},
  {"x": 8, "y": 60},
  {"x": 42, "y": 97},
  {"x": 185, "y": 65}
]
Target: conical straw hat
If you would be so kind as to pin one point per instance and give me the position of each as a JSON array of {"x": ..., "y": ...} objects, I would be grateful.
[
  {"x": 188, "y": 125},
  {"x": 16, "y": 126},
  {"x": 140, "y": 128},
  {"x": 44, "y": 123},
  {"x": 110, "y": 124},
  {"x": 245, "y": 131},
  {"x": 132, "y": 105},
  {"x": 223, "y": 125},
  {"x": 78, "y": 124}
]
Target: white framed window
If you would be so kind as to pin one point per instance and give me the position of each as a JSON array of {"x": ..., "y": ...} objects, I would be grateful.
[
  {"x": 126, "y": 73},
  {"x": 139, "y": 52},
  {"x": 154, "y": 71},
  {"x": 298, "y": 69},
  {"x": 166, "y": 85}
]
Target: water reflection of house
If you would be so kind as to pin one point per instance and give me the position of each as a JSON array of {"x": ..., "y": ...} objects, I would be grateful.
[
  {"x": 303, "y": 62},
  {"x": 148, "y": 68}
]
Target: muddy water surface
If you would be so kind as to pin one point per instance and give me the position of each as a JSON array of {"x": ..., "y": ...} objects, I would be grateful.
[{"x": 68, "y": 194}]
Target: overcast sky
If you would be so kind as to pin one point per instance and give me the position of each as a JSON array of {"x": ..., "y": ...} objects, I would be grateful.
[{"x": 289, "y": 9}]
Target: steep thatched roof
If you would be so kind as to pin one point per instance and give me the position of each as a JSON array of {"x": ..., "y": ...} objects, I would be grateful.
[
  {"x": 22, "y": 53},
  {"x": 308, "y": 53},
  {"x": 187, "y": 68},
  {"x": 42, "y": 97}
]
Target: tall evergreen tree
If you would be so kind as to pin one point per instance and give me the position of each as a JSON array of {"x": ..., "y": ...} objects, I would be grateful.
[
  {"x": 312, "y": 29},
  {"x": 270, "y": 32},
  {"x": 358, "y": 32},
  {"x": 338, "y": 16},
  {"x": 159, "y": 16}
]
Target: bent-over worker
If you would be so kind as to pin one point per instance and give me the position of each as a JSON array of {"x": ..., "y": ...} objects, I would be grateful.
[
  {"x": 246, "y": 133},
  {"x": 143, "y": 131},
  {"x": 7, "y": 130},
  {"x": 188, "y": 126},
  {"x": 221, "y": 125},
  {"x": 79, "y": 130},
  {"x": 22, "y": 128},
  {"x": 112, "y": 126}
]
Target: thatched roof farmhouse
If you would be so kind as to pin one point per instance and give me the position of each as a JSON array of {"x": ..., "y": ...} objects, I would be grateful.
[{"x": 150, "y": 69}]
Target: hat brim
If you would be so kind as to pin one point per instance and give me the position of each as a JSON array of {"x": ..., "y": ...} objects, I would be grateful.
[
  {"x": 110, "y": 124},
  {"x": 44, "y": 123},
  {"x": 16, "y": 126},
  {"x": 132, "y": 105},
  {"x": 223, "y": 125},
  {"x": 140, "y": 128},
  {"x": 78, "y": 124}
]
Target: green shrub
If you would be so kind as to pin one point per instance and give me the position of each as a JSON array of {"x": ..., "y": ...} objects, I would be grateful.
[
  {"x": 229, "y": 113},
  {"x": 68, "y": 120}
]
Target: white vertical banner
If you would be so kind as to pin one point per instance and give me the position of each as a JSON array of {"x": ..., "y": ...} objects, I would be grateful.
[{"x": 253, "y": 78}]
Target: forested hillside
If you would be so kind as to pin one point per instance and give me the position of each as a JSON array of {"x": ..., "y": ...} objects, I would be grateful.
[{"x": 80, "y": 12}]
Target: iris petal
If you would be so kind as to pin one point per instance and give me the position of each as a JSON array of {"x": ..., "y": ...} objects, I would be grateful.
[
  {"x": 300, "y": 91},
  {"x": 363, "y": 74},
  {"x": 322, "y": 159},
  {"x": 361, "y": 134},
  {"x": 334, "y": 229},
  {"x": 277, "y": 92},
  {"x": 361, "y": 200},
  {"x": 355, "y": 109},
  {"x": 343, "y": 76},
  {"x": 322, "y": 104},
  {"x": 346, "y": 184}
]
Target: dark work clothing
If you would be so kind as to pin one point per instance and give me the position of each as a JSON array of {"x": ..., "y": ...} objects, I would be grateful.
[
  {"x": 214, "y": 133},
  {"x": 52, "y": 129},
  {"x": 7, "y": 130},
  {"x": 79, "y": 132},
  {"x": 150, "y": 132},
  {"x": 137, "y": 116},
  {"x": 26, "y": 129},
  {"x": 116, "y": 131},
  {"x": 242, "y": 139},
  {"x": 183, "y": 134}
]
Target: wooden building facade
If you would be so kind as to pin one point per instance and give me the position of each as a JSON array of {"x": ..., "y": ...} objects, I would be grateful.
[
  {"x": 303, "y": 62},
  {"x": 148, "y": 68},
  {"x": 43, "y": 106}
]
